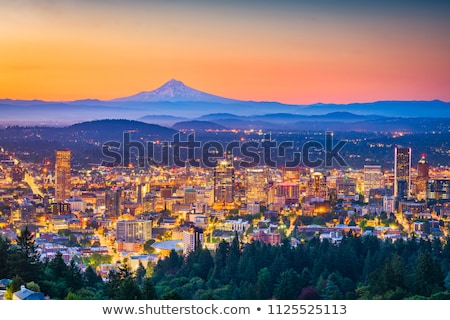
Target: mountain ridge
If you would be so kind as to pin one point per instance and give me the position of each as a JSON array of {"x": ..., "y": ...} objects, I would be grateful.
[{"x": 174, "y": 91}]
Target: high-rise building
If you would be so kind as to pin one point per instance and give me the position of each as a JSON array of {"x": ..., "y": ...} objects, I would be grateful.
[
  {"x": 423, "y": 169},
  {"x": 402, "y": 172},
  {"x": 62, "y": 173},
  {"x": 373, "y": 179},
  {"x": 224, "y": 182},
  {"x": 255, "y": 185},
  {"x": 192, "y": 239},
  {"x": 113, "y": 202},
  {"x": 134, "y": 230}
]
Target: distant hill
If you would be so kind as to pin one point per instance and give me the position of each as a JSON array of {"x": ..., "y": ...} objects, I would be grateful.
[
  {"x": 196, "y": 125},
  {"x": 116, "y": 128},
  {"x": 163, "y": 120},
  {"x": 177, "y": 100}
]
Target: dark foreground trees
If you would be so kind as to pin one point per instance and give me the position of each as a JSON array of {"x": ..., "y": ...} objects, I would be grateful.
[{"x": 358, "y": 268}]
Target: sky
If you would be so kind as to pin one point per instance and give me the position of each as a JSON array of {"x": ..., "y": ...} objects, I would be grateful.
[{"x": 298, "y": 52}]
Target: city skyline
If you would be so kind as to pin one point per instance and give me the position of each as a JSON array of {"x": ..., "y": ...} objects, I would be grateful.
[
  {"x": 291, "y": 52},
  {"x": 225, "y": 150}
]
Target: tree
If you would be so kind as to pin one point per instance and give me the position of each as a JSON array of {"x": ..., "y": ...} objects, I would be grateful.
[
  {"x": 24, "y": 258},
  {"x": 318, "y": 220},
  {"x": 58, "y": 268},
  {"x": 14, "y": 286},
  {"x": 309, "y": 293},
  {"x": 5, "y": 247},
  {"x": 148, "y": 246},
  {"x": 125, "y": 271},
  {"x": 91, "y": 278},
  {"x": 140, "y": 273},
  {"x": 447, "y": 281},
  {"x": 263, "y": 286},
  {"x": 74, "y": 277},
  {"x": 148, "y": 290},
  {"x": 33, "y": 286},
  {"x": 288, "y": 286},
  {"x": 232, "y": 260},
  {"x": 428, "y": 275},
  {"x": 128, "y": 290}
]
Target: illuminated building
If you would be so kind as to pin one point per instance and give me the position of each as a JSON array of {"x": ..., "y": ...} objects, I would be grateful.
[
  {"x": 317, "y": 186},
  {"x": 190, "y": 196},
  {"x": 192, "y": 239},
  {"x": 423, "y": 169},
  {"x": 265, "y": 237},
  {"x": 62, "y": 173},
  {"x": 288, "y": 191},
  {"x": 373, "y": 179},
  {"x": 402, "y": 173},
  {"x": 224, "y": 182},
  {"x": 134, "y": 230},
  {"x": 291, "y": 175},
  {"x": 113, "y": 202},
  {"x": 255, "y": 185},
  {"x": 346, "y": 187},
  {"x": 388, "y": 204},
  {"x": 438, "y": 189}
]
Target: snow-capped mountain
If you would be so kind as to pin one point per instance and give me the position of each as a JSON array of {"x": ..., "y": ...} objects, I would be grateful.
[{"x": 175, "y": 91}]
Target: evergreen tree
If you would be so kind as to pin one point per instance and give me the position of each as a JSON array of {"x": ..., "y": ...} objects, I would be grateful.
[
  {"x": 263, "y": 286},
  {"x": 428, "y": 276},
  {"x": 74, "y": 277},
  {"x": 91, "y": 278},
  {"x": 220, "y": 260},
  {"x": 148, "y": 290},
  {"x": 4, "y": 254},
  {"x": 128, "y": 290},
  {"x": 232, "y": 260},
  {"x": 24, "y": 258},
  {"x": 140, "y": 274},
  {"x": 288, "y": 285}
]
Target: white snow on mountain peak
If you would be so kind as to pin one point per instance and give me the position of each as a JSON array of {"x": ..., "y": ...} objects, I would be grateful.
[{"x": 174, "y": 91}]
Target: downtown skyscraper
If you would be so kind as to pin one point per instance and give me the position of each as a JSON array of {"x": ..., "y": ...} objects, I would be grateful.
[
  {"x": 402, "y": 172},
  {"x": 224, "y": 182},
  {"x": 62, "y": 175}
]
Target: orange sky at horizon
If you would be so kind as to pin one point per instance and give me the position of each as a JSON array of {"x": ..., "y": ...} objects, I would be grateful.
[{"x": 71, "y": 50}]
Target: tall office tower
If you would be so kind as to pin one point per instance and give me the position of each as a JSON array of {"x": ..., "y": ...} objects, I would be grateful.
[
  {"x": 62, "y": 173},
  {"x": 192, "y": 239},
  {"x": 373, "y": 179},
  {"x": 224, "y": 182},
  {"x": 256, "y": 185},
  {"x": 402, "y": 172},
  {"x": 113, "y": 202},
  {"x": 423, "y": 169}
]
